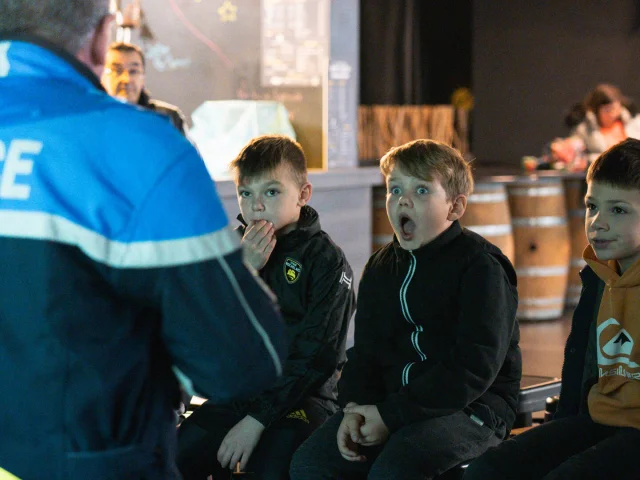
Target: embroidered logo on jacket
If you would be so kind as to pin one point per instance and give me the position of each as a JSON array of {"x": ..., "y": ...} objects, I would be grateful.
[
  {"x": 299, "y": 415},
  {"x": 346, "y": 280},
  {"x": 292, "y": 270}
]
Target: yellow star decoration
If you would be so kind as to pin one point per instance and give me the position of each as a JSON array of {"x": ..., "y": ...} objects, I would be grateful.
[{"x": 228, "y": 12}]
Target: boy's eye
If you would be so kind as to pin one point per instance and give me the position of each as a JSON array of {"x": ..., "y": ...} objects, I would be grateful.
[
  {"x": 590, "y": 207},
  {"x": 245, "y": 194},
  {"x": 394, "y": 190},
  {"x": 422, "y": 190},
  {"x": 272, "y": 192},
  {"x": 618, "y": 210}
]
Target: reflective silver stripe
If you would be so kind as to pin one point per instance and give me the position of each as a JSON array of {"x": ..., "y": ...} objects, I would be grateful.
[
  {"x": 536, "y": 191},
  {"x": 541, "y": 302},
  {"x": 382, "y": 239},
  {"x": 490, "y": 230},
  {"x": 542, "y": 314},
  {"x": 487, "y": 197},
  {"x": 405, "y": 373},
  {"x": 185, "y": 381},
  {"x": 148, "y": 254},
  {"x": 577, "y": 213},
  {"x": 551, "y": 271},
  {"x": 578, "y": 262},
  {"x": 266, "y": 340},
  {"x": 538, "y": 221}
]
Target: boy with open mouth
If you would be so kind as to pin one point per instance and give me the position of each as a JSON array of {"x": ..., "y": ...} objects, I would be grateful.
[{"x": 432, "y": 380}]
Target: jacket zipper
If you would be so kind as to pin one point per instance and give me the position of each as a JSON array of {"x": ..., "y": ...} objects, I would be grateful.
[{"x": 407, "y": 316}]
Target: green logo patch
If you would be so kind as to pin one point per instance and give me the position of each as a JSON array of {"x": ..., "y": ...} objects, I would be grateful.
[{"x": 292, "y": 270}]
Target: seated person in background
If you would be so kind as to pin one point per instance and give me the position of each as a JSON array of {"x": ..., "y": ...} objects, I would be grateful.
[
  {"x": 432, "y": 380},
  {"x": 606, "y": 120},
  {"x": 124, "y": 78},
  {"x": 314, "y": 285},
  {"x": 595, "y": 433}
]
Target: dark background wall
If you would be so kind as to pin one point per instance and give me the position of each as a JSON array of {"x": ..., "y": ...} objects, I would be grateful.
[{"x": 533, "y": 60}]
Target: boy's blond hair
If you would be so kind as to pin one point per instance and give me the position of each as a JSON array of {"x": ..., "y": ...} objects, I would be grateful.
[{"x": 430, "y": 160}]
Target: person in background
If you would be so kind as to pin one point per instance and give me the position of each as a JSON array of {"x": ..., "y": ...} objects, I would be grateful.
[
  {"x": 124, "y": 78},
  {"x": 314, "y": 284},
  {"x": 595, "y": 433},
  {"x": 119, "y": 272},
  {"x": 603, "y": 120},
  {"x": 432, "y": 380}
]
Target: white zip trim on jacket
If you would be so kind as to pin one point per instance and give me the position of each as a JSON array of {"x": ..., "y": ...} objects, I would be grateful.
[
  {"x": 405, "y": 373},
  {"x": 407, "y": 316}
]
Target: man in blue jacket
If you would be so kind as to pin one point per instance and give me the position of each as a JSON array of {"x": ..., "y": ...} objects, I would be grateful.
[{"x": 118, "y": 270}]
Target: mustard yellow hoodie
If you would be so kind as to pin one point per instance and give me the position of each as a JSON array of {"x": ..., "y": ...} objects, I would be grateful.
[{"x": 615, "y": 399}]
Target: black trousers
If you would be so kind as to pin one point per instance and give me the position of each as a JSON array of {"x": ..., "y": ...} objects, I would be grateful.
[
  {"x": 568, "y": 448},
  {"x": 201, "y": 434},
  {"x": 416, "y": 452}
]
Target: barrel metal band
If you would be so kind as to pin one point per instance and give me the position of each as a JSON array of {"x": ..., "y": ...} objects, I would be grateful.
[
  {"x": 490, "y": 230},
  {"x": 538, "y": 221},
  {"x": 551, "y": 271},
  {"x": 577, "y": 263},
  {"x": 536, "y": 191},
  {"x": 539, "y": 314},
  {"x": 541, "y": 302},
  {"x": 488, "y": 197}
]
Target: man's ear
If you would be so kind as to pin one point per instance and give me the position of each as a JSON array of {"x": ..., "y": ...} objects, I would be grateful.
[
  {"x": 458, "y": 207},
  {"x": 305, "y": 194},
  {"x": 100, "y": 44}
]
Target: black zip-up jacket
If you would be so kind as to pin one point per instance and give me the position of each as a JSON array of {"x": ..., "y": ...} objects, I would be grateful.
[
  {"x": 313, "y": 282},
  {"x": 436, "y": 333},
  {"x": 575, "y": 389}
]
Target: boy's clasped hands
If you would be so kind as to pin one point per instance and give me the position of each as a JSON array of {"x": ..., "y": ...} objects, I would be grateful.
[{"x": 361, "y": 425}]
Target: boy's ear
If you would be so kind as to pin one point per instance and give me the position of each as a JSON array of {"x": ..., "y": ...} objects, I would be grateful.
[
  {"x": 458, "y": 206},
  {"x": 305, "y": 194}
]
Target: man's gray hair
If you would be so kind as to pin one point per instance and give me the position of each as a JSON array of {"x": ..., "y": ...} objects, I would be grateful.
[{"x": 65, "y": 23}]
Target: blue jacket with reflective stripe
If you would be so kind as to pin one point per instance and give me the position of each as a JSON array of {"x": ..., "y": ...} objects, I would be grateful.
[{"x": 117, "y": 269}]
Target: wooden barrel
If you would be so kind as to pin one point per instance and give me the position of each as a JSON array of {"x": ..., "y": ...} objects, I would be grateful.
[
  {"x": 488, "y": 215},
  {"x": 541, "y": 238},
  {"x": 575, "y": 190},
  {"x": 382, "y": 231}
]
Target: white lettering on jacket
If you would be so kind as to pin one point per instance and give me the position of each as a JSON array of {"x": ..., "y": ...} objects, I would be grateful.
[{"x": 17, "y": 163}]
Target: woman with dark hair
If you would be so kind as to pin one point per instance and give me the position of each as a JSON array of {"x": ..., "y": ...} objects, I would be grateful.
[{"x": 607, "y": 120}]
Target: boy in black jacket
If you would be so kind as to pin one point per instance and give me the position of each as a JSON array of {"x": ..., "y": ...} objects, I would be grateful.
[
  {"x": 313, "y": 283},
  {"x": 433, "y": 378}
]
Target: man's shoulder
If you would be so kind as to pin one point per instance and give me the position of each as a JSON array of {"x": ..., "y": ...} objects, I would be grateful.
[{"x": 164, "y": 107}]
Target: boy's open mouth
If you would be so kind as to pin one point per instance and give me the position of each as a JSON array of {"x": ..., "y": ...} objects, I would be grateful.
[{"x": 407, "y": 227}]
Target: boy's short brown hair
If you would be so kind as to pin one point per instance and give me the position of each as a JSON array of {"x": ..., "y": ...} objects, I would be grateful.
[
  {"x": 619, "y": 166},
  {"x": 264, "y": 154},
  {"x": 429, "y": 160}
]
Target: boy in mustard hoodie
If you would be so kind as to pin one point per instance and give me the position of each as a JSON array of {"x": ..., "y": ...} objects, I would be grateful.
[{"x": 595, "y": 433}]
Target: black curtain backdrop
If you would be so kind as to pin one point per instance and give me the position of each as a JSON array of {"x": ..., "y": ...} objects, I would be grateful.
[{"x": 414, "y": 51}]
